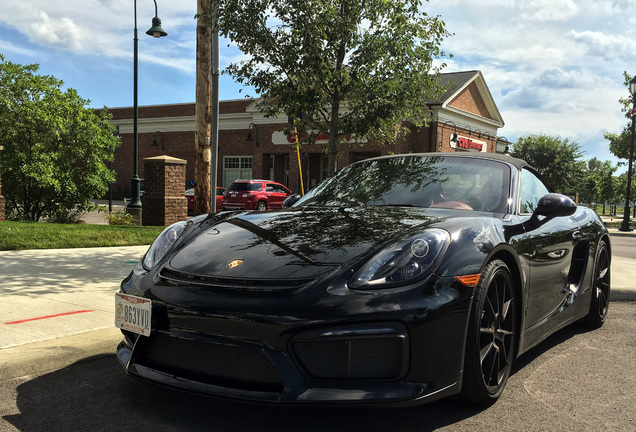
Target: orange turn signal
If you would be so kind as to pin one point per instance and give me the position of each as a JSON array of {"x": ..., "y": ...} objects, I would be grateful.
[{"x": 469, "y": 280}]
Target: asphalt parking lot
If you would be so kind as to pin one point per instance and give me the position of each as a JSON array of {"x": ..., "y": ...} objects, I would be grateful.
[{"x": 576, "y": 380}]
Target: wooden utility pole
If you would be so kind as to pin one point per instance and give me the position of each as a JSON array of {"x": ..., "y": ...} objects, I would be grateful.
[{"x": 203, "y": 115}]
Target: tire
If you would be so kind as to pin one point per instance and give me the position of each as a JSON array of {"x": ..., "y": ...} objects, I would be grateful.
[
  {"x": 261, "y": 206},
  {"x": 599, "y": 304},
  {"x": 491, "y": 338}
]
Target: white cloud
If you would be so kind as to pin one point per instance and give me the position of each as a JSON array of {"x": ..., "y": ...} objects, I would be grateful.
[
  {"x": 610, "y": 47},
  {"x": 60, "y": 33},
  {"x": 101, "y": 27},
  {"x": 548, "y": 10},
  {"x": 6, "y": 46}
]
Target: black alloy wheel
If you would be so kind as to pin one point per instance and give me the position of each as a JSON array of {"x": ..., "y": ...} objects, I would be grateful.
[
  {"x": 599, "y": 303},
  {"x": 491, "y": 336}
]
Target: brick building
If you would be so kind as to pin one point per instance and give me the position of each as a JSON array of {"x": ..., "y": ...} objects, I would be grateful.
[{"x": 251, "y": 145}]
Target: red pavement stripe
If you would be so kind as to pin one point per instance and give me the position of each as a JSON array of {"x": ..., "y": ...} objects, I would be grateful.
[{"x": 50, "y": 316}]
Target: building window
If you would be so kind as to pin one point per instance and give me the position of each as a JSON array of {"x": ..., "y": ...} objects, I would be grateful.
[
  {"x": 286, "y": 170},
  {"x": 324, "y": 166},
  {"x": 236, "y": 167},
  {"x": 271, "y": 167}
]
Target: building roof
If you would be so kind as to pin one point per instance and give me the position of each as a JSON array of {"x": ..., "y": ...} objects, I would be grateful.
[
  {"x": 456, "y": 83},
  {"x": 453, "y": 81}
]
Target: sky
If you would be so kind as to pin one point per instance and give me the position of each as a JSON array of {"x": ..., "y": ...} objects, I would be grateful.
[{"x": 553, "y": 67}]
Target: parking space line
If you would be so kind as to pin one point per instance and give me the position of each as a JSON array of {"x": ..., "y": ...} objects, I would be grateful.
[{"x": 49, "y": 316}]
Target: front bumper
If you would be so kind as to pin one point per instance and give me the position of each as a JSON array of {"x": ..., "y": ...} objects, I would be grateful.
[
  {"x": 244, "y": 205},
  {"x": 396, "y": 349}
]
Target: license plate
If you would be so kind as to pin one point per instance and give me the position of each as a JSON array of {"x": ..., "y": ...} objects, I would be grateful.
[{"x": 133, "y": 313}]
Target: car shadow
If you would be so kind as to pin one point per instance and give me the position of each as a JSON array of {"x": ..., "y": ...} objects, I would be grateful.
[
  {"x": 549, "y": 343},
  {"x": 95, "y": 394}
]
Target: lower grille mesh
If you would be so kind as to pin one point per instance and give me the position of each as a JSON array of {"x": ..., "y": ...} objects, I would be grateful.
[
  {"x": 352, "y": 359},
  {"x": 211, "y": 360}
]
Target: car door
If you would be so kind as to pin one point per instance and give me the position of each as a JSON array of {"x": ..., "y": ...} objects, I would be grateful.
[
  {"x": 276, "y": 195},
  {"x": 548, "y": 249}
]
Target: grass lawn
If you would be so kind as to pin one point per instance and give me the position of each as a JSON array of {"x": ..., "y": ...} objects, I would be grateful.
[{"x": 32, "y": 235}]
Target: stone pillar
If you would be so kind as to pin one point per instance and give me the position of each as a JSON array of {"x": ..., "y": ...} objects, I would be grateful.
[
  {"x": 164, "y": 183},
  {"x": 2, "y": 215}
]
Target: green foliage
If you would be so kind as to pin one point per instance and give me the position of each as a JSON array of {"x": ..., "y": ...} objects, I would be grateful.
[
  {"x": 620, "y": 183},
  {"x": 348, "y": 66},
  {"x": 619, "y": 144},
  {"x": 54, "y": 146},
  {"x": 32, "y": 235},
  {"x": 559, "y": 161},
  {"x": 120, "y": 217},
  {"x": 600, "y": 185}
]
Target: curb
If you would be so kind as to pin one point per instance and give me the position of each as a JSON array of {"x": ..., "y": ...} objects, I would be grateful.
[
  {"x": 38, "y": 358},
  {"x": 616, "y": 233},
  {"x": 622, "y": 295}
]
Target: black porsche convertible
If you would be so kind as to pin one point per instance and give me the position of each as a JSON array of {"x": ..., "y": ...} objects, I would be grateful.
[{"x": 398, "y": 280}]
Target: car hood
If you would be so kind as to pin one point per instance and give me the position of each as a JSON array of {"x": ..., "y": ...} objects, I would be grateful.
[{"x": 292, "y": 243}]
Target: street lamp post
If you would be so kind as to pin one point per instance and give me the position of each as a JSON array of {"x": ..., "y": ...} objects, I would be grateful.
[
  {"x": 626, "y": 225},
  {"x": 134, "y": 206}
]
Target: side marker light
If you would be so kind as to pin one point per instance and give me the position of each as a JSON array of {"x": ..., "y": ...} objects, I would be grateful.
[{"x": 469, "y": 280}]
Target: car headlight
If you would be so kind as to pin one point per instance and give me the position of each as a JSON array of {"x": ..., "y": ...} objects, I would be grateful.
[
  {"x": 163, "y": 243},
  {"x": 403, "y": 262}
]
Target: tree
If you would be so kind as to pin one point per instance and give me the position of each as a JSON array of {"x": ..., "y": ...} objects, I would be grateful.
[
  {"x": 589, "y": 191},
  {"x": 606, "y": 182},
  {"x": 619, "y": 144},
  {"x": 54, "y": 146},
  {"x": 349, "y": 67},
  {"x": 621, "y": 186},
  {"x": 599, "y": 183},
  {"x": 557, "y": 160},
  {"x": 202, "y": 114}
]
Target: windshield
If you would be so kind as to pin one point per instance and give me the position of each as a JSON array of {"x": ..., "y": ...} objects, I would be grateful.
[{"x": 420, "y": 181}]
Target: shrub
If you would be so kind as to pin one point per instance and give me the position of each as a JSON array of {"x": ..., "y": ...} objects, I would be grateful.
[{"x": 120, "y": 217}]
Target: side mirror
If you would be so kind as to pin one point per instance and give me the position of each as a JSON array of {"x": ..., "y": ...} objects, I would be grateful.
[
  {"x": 290, "y": 200},
  {"x": 550, "y": 205},
  {"x": 554, "y": 205}
]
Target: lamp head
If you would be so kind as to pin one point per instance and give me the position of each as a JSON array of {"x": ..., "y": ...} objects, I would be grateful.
[
  {"x": 249, "y": 132},
  {"x": 156, "y": 30}
]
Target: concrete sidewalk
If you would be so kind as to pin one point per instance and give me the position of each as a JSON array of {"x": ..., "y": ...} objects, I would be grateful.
[
  {"x": 623, "y": 279},
  {"x": 51, "y": 293},
  {"x": 623, "y": 270}
]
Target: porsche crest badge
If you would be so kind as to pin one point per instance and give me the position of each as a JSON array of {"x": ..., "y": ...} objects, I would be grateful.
[{"x": 235, "y": 263}]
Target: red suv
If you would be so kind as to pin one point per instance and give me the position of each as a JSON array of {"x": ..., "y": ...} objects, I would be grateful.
[{"x": 254, "y": 195}]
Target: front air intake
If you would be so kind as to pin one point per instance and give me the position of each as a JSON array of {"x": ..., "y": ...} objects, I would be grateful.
[
  {"x": 235, "y": 366},
  {"x": 352, "y": 359}
]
